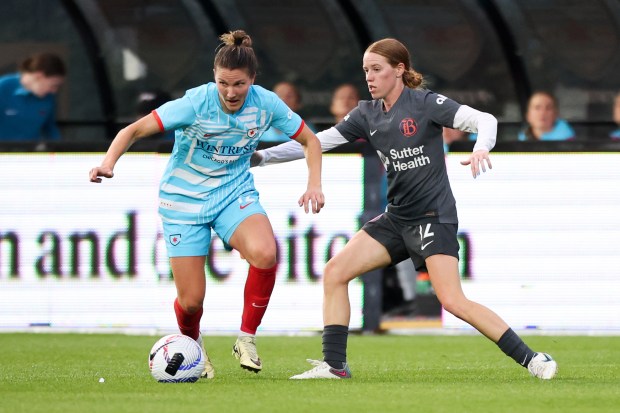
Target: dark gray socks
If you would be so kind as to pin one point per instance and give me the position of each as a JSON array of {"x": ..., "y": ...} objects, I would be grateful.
[
  {"x": 511, "y": 344},
  {"x": 335, "y": 345}
]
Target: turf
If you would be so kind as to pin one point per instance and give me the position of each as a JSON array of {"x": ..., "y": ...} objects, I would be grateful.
[{"x": 60, "y": 373}]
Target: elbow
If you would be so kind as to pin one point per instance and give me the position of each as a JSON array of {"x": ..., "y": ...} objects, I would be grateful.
[{"x": 490, "y": 120}]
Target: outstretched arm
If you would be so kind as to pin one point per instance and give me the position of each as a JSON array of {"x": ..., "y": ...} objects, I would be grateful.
[
  {"x": 290, "y": 151},
  {"x": 471, "y": 120},
  {"x": 141, "y": 128},
  {"x": 312, "y": 150}
]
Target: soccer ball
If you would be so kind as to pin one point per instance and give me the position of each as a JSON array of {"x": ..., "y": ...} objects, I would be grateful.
[{"x": 176, "y": 358}]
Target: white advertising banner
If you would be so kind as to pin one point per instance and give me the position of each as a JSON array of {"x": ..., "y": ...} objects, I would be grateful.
[
  {"x": 78, "y": 255},
  {"x": 538, "y": 236},
  {"x": 542, "y": 235}
]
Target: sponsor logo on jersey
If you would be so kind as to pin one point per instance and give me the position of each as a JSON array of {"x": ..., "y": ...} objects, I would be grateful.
[
  {"x": 220, "y": 149},
  {"x": 411, "y": 158},
  {"x": 408, "y": 127}
]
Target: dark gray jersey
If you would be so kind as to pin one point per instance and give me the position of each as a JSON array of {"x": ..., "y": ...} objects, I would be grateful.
[{"x": 409, "y": 142}]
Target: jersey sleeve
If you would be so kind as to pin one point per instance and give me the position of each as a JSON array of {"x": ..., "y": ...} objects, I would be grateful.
[
  {"x": 176, "y": 113},
  {"x": 353, "y": 126},
  {"x": 441, "y": 109}
]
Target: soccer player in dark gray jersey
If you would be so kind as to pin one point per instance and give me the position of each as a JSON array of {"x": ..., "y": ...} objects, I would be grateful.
[
  {"x": 404, "y": 124},
  {"x": 408, "y": 139}
]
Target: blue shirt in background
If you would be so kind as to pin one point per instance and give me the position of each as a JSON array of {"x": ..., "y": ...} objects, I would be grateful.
[
  {"x": 561, "y": 131},
  {"x": 23, "y": 115}
]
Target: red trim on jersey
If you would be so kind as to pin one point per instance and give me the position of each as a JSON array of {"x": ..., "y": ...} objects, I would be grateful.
[
  {"x": 158, "y": 119},
  {"x": 296, "y": 134}
]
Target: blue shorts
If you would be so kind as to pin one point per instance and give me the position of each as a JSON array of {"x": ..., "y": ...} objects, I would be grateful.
[{"x": 185, "y": 240}]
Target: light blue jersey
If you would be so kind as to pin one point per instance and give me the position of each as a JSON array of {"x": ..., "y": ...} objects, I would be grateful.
[{"x": 209, "y": 167}]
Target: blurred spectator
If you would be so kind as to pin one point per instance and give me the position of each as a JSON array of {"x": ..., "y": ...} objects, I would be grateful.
[
  {"x": 151, "y": 100},
  {"x": 28, "y": 99},
  {"x": 148, "y": 102},
  {"x": 289, "y": 93},
  {"x": 452, "y": 135},
  {"x": 344, "y": 99},
  {"x": 543, "y": 122},
  {"x": 615, "y": 135}
]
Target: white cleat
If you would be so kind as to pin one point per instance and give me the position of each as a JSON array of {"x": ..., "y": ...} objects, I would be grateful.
[
  {"x": 244, "y": 350},
  {"x": 543, "y": 366},
  {"x": 322, "y": 370},
  {"x": 209, "y": 371}
]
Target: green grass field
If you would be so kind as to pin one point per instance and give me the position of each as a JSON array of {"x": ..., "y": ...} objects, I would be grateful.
[{"x": 60, "y": 373}]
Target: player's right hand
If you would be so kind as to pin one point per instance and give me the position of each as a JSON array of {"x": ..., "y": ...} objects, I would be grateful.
[{"x": 96, "y": 172}]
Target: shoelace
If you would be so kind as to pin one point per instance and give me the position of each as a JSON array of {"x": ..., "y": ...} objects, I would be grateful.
[
  {"x": 318, "y": 366},
  {"x": 315, "y": 363}
]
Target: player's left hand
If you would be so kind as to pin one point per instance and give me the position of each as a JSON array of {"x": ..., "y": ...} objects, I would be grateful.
[
  {"x": 312, "y": 197},
  {"x": 477, "y": 161}
]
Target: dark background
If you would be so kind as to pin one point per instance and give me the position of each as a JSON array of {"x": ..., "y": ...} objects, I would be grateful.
[{"x": 489, "y": 54}]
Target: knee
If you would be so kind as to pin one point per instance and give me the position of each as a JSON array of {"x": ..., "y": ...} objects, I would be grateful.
[
  {"x": 333, "y": 276},
  {"x": 191, "y": 304},
  {"x": 456, "y": 306},
  {"x": 263, "y": 255}
]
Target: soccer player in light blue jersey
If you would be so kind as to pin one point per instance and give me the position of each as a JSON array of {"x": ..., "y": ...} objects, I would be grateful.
[{"x": 208, "y": 185}]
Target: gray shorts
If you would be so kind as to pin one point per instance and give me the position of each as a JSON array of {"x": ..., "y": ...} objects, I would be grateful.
[{"x": 417, "y": 242}]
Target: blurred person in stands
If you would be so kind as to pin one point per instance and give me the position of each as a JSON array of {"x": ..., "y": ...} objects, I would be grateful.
[
  {"x": 344, "y": 99},
  {"x": 615, "y": 134},
  {"x": 208, "y": 185},
  {"x": 403, "y": 124},
  {"x": 290, "y": 94},
  {"x": 149, "y": 101},
  {"x": 543, "y": 122},
  {"x": 451, "y": 135},
  {"x": 28, "y": 99}
]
